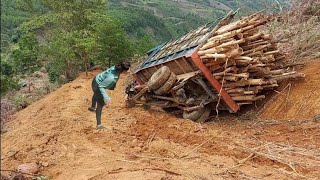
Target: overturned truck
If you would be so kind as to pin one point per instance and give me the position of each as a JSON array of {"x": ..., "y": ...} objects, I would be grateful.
[{"x": 215, "y": 67}]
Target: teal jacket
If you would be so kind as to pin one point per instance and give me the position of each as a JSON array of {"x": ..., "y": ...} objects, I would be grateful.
[{"x": 107, "y": 80}]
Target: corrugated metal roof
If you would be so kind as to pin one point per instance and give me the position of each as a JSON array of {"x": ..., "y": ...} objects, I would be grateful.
[{"x": 177, "y": 47}]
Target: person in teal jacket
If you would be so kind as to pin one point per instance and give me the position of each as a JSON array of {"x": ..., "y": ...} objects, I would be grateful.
[{"x": 105, "y": 80}]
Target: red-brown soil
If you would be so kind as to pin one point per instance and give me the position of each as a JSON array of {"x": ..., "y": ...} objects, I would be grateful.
[
  {"x": 299, "y": 100},
  {"x": 59, "y": 132}
]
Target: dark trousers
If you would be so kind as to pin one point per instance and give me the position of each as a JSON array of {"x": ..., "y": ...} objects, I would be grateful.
[{"x": 97, "y": 98}]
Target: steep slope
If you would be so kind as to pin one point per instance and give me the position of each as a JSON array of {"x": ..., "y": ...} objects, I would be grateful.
[
  {"x": 299, "y": 100},
  {"x": 58, "y": 132}
]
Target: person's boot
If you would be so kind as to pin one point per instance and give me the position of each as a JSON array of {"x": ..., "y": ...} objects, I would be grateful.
[
  {"x": 100, "y": 127},
  {"x": 92, "y": 109}
]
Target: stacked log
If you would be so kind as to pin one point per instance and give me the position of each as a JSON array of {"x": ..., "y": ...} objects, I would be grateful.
[{"x": 245, "y": 60}]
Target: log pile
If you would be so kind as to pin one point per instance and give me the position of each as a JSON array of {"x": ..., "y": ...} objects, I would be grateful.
[{"x": 245, "y": 60}]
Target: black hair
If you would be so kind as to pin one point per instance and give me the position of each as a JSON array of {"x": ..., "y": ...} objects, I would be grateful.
[{"x": 123, "y": 66}]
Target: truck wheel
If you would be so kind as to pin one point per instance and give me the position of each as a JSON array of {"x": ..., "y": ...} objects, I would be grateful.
[
  {"x": 193, "y": 115},
  {"x": 205, "y": 115},
  {"x": 159, "y": 78},
  {"x": 167, "y": 85}
]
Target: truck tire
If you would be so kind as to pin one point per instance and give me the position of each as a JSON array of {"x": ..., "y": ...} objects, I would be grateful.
[
  {"x": 159, "y": 78},
  {"x": 193, "y": 115},
  {"x": 167, "y": 85},
  {"x": 205, "y": 115}
]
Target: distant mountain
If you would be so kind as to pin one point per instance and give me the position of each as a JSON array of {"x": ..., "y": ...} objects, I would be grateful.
[
  {"x": 164, "y": 19},
  {"x": 158, "y": 20}
]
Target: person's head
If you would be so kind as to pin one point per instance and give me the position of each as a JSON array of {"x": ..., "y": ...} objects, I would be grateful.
[{"x": 123, "y": 66}]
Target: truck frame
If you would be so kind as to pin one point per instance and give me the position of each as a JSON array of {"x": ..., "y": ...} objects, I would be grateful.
[{"x": 191, "y": 87}]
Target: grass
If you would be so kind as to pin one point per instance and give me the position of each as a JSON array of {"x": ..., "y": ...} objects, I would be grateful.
[{"x": 298, "y": 32}]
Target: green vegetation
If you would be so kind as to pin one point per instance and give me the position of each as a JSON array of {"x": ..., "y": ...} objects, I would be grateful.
[{"x": 65, "y": 36}]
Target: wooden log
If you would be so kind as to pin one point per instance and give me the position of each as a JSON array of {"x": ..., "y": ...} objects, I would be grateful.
[
  {"x": 243, "y": 98},
  {"x": 230, "y": 70},
  {"x": 213, "y": 50},
  {"x": 254, "y": 37},
  {"x": 259, "y": 22},
  {"x": 277, "y": 72},
  {"x": 241, "y": 62},
  {"x": 254, "y": 54},
  {"x": 231, "y": 43},
  {"x": 225, "y": 35},
  {"x": 216, "y": 56},
  {"x": 236, "y": 90},
  {"x": 244, "y": 29},
  {"x": 244, "y": 103},
  {"x": 248, "y": 92},
  {"x": 260, "y": 72},
  {"x": 236, "y": 94},
  {"x": 244, "y": 58},
  {"x": 230, "y": 62},
  {"x": 271, "y": 52},
  {"x": 267, "y": 59},
  {"x": 259, "y": 48},
  {"x": 289, "y": 75},
  {"x": 228, "y": 78},
  {"x": 255, "y": 89},
  {"x": 256, "y": 18},
  {"x": 214, "y": 43},
  {"x": 280, "y": 58},
  {"x": 251, "y": 82},
  {"x": 247, "y": 98},
  {"x": 259, "y": 97},
  {"x": 270, "y": 86},
  {"x": 235, "y": 25},
  {"x": 267, "y": 37},
  {"x": 241, "y": 75},
  {"x": 254, "y": 45},
  {"x": 214, "y": 62},
  {"x": 254, "y": 82},
  {"x": 250, "y": 32},
  {"x": 234, "y": 53}
]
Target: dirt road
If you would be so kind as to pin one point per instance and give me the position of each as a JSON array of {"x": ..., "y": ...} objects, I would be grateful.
[{"x": 58, "y": 132}]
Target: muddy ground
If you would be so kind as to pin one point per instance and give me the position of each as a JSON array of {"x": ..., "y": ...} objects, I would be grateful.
[{"x": 58, "y": 132}]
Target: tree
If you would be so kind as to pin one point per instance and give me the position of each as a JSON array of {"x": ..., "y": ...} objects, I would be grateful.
[{"x": 77, "y": 32}]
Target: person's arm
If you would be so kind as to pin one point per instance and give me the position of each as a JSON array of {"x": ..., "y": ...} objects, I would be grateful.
[{"x": 104, "y": 94}]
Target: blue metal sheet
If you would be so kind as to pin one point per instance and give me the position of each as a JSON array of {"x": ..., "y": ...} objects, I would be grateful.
[{"x": 176, "y": 48}]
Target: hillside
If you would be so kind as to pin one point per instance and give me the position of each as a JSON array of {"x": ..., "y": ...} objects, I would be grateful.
[
  {"x": 159, "y": 19},
  {"x": 181, "y": 16},
  {"x": 58, "y": 133}
]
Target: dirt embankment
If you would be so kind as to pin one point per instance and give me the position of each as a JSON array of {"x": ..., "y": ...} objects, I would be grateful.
[
  {"x": 58, "y": 132},
  {"x": 299, "y": 100}
]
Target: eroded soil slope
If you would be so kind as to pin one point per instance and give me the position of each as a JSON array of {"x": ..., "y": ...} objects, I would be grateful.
[
  {"x": 299, "y": 100},
  {"x": 58, "y": 132}
]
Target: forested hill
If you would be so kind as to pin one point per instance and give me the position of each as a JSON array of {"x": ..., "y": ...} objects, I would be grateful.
[
  {"x": 158, "y": 19},
  {"x": 65, "y": 35},
  {"x": 180, "y": 16}
]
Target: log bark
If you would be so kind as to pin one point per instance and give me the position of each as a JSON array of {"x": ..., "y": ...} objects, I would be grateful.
[
  {"x": 216, "y": 56},
  {"x": 225, "y": 35},
  {"x": 230, "y": 43},
  {"x": 236, "y": 90},
  {"x": 290, "y": 75},
  {"x": 271, "y": 52},
  {"x": 243, "y": 98},
  {"x": 254, "y": 37},
  {"x": 213, "y": 50}
]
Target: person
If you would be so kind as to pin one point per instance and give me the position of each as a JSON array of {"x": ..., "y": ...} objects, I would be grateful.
[{"x": 105, "y": 80}]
